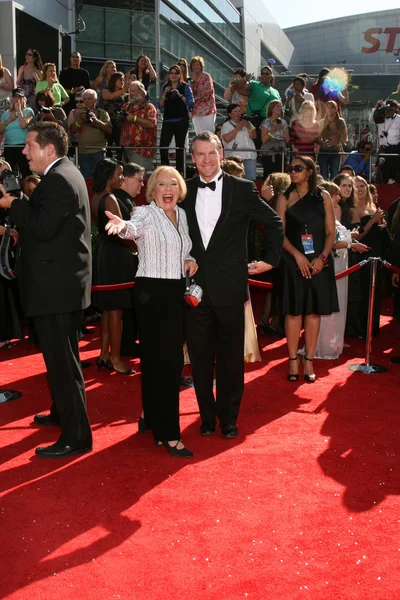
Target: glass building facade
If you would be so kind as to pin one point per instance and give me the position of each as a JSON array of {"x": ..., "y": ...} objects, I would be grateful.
[{"x": 165, "y": 31}]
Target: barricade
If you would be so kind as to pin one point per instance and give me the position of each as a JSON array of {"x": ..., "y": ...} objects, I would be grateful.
[{"x": 367, "y": 367}]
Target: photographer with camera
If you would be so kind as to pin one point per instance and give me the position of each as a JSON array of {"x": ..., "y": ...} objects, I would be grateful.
[
  {"x": 275, "y": 138},
  {"x": 46, "y": 111},
  {"x": 260, "y": 94},
  {"x": 13, "y": 124},
  {"x": 238, "y": 132},
  {"x": 93, "y": 125},
  {"x": 385, "y": 116},
  {"x": 359, "y": 159}
]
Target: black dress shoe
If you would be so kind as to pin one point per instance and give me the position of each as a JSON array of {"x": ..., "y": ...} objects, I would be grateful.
[
  {"x": 46, "y": 420},
  {"x": 229, "y": 431},
  {"x": 207, "y": 428},
  {"x": 61, "y": 450},
  {"x": 142, "y": 425},
  {"x": 85, "y": 364},
  {"x": 396, "y": 360}
]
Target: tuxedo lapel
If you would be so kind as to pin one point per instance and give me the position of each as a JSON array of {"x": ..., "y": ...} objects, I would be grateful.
[
  {"x": 226, "y": 201},
  {"x": 190, "y": 207}
]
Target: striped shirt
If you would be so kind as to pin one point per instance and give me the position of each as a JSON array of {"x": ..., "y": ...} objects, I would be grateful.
[
  {"x": 162, "y": 248},
  {"x": 304, "y": 138}
]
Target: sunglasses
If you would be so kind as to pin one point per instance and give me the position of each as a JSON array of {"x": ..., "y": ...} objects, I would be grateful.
[
  {"x": 139, "y": 179},
  {"x": 29, "y": 54},
  {"x": 296, "y": 168},
  {"x": 181, "y": 64},
  {"x": 266, "y": 73}
]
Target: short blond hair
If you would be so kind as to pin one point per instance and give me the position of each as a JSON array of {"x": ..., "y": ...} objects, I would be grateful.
[
  {"x": 151, "y": 184},
  {"x": 198, "y": 59}
]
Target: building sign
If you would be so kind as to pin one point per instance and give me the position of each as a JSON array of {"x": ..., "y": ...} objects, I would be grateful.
[{"x": 376, "y": 37}]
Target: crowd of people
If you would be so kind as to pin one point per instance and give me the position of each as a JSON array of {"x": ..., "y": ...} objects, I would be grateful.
[
  {"x": 114, "y": 115},
  {"x": 315, "y": 219}
]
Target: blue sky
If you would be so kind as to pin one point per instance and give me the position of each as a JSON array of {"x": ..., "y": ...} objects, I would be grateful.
[{"x": 295, "y": 12}]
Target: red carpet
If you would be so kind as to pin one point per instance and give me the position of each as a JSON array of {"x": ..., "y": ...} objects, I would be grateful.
[{"x": 304, "y": 504}]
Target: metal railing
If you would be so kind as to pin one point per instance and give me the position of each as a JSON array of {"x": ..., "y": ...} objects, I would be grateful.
[{"x": 286, "y": 155}]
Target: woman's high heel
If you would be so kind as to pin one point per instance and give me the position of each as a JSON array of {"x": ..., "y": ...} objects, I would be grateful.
[
  {"x": 100, "y": 363},
  {"x": 293, "y": 376},
  {"x": 111, "y": 367},
  {"x": 312, "y": 377}
]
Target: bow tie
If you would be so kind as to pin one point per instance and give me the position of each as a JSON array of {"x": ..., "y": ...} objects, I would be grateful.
[{"x": 211, "y": 184}]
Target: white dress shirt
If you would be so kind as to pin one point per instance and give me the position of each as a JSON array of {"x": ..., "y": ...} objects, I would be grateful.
[
  {"x": 208, "y": 208},
  {"x": 162, "y": 247},
  {"x": 392, "y": 128},
  {"x": 50, "y": 165}
]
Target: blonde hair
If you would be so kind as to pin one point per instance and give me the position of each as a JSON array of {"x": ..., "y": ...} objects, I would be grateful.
[
  {"x": 151, "y": 184},
  {"x": 369, "y": 201},
  {"x": 279, "y": 181},
  {"x": 198, "y": 59},
  {"x": 4, "y": 163},
  {"x": 104, "y": 68},
  {"x": 330, "y": 187},
  {"x": 232, "y": 167},
  {"x": 307, "y": 104}
]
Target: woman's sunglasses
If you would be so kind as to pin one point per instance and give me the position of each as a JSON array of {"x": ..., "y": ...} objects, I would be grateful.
[
  {"x": 296, "y": 168},
  {"x": 29, "y": 54}
]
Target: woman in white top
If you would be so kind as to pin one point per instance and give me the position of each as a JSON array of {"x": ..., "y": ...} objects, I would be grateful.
[
  {"x": 296, "y": 94},
  {"x": 237, "y": 137},
  {"x": 162, "y": 237}
]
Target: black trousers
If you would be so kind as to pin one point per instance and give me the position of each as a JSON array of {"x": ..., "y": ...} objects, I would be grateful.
[
  {"x": 159, "y": 308},
  {"x": 58, "y": 339},
  {"x": 217, "y": 334},
  {"x": 168, "y": 131}
]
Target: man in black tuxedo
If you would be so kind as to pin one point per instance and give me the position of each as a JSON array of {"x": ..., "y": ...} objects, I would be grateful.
[
  {"x": 54, "y": 276},
  {"x": 219, "y": 208}
]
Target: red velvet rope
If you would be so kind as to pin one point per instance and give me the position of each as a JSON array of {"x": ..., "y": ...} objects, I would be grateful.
[
  {"x": 114, "y": 287},
  {"x": 350, "y": 270},
  {"x": 390, "y": 267},
  {"x": 253, "y": 282}
]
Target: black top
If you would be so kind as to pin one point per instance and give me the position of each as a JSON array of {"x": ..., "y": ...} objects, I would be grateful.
[
  {"x": 126, "y": 201},
  {"x": 73, "y": 78},
  {"x": 301, "y": 296},
  {"x": 174, "y": 107},
  {"x": 113, "y": 260}
]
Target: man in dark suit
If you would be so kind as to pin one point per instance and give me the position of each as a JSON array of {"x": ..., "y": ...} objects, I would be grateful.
[
  {"x": 219, "y": 208},
  {"x": 54, "y": 275}
]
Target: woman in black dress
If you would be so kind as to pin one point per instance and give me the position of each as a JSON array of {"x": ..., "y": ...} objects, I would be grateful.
[
  {"x": 372, "y": 231},
  {"x": 10, "y": 310},
  {"x": 308, "y": 282},
  {"x": 113, "y": 262}
]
